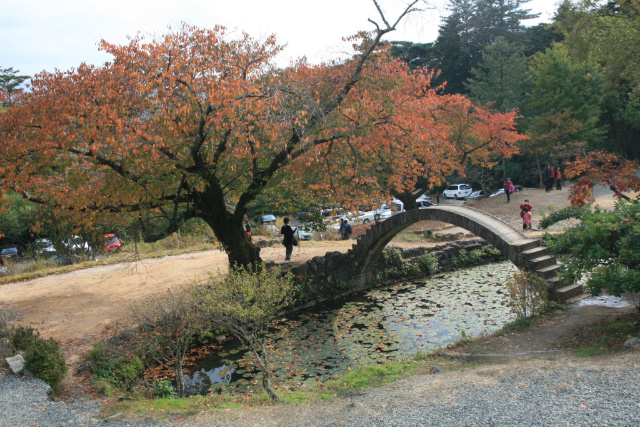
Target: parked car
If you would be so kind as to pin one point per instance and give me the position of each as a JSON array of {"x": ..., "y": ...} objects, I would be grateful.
[
  {"x": 44, "y": 247},
  {"x": 457, "y": 191},
  {"x": 374, "y": 215},
  {"x": 112, "y": 243},
  {"x": 302, "y": 234},
  {"x": 501, "y": 191},
  {"x": 13, "y": 253},
  {"x": 397, "y": 204},
  {"x": 422, "y": 204},
  {"x": 476, "y": 195}
]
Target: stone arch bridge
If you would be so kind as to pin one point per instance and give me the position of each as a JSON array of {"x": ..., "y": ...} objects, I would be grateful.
[{"x": 524, "y": 252}]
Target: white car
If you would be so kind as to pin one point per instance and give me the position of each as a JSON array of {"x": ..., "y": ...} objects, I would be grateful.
[
  {"x": 476, "y": 195},
  {"x": 375, "y": 215},
  {"x": 500, "y": 191},
  {"x": 457, "y": 191},
  {"x": 303, "y": 234}
]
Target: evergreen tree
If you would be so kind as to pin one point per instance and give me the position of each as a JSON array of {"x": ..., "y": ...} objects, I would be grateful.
[
  {"x": 471, "y": 26},
  {"x": 500, "y": 78},
  {"x": 10, "y": 83},
  {"x": 564, "y": 107},
  {"x": 606, "y": 36}
]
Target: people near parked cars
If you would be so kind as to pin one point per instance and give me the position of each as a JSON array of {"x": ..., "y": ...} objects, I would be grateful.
[
  {"x": 345, "y": 229},
  {"x": 288, "y": 241}
]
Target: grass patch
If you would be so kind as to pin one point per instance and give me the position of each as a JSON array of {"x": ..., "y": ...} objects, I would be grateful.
[
  {"x": 356, "y": 380},
  {"x": 606, "y": 338}
]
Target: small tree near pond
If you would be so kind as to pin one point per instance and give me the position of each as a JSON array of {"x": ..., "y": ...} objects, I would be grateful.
[
  {"x": 246, "y": 303},
  {"x": 168, "y": 326},
  {"x": 528, "y": 294}
]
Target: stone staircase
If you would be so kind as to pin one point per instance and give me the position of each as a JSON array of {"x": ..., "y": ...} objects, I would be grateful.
[{"x": 532, "y": 256}]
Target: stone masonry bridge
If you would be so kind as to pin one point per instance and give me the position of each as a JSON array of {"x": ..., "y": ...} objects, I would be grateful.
[{"x": 525, "y": 253}]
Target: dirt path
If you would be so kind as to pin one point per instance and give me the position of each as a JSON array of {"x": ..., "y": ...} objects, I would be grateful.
[{"x": 75, "y": 307}]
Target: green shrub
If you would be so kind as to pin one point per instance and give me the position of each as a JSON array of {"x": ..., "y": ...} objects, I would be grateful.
[
  {"x": 528, "y": 294},
  {"x": 164, "y": 389},
  {"x": 429, "y": 263},
  {"x": 119, "y": 370},
  {"x": 22, "y": 338},
  {"x": 44, "y": 359}
]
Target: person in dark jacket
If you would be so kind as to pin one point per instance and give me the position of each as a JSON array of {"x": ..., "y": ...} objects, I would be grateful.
[
  {"x": 287, "y": 232},
  {"x": 548, "y": 180}
]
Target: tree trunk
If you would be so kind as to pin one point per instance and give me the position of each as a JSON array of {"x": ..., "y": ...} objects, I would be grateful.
[
  {"x": 267, "y": 386},
  {"x": 177, "y": 368},
  {"x": 504, "y": 169},
  {"x": 240, "y": 251}
]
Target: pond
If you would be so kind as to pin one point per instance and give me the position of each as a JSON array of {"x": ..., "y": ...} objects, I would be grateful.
[{"x": 388, "y": 323}]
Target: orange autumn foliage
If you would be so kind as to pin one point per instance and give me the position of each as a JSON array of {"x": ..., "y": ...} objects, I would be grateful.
[
  {"x": 197, "y": 124},
  {"x": 602, "y": 168}
]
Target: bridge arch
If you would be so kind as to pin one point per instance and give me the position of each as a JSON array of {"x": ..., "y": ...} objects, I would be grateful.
[{"x": 524, "y": 252}]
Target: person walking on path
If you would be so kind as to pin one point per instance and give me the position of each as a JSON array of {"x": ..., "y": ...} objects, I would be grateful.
[
  {"x": 288, "y": 240},
  {"x": 509, "y": 188},
  {"x": 548, "y": 180},
  {"x": 437, "y": 197},
  {"x": 558, "y": 178}
]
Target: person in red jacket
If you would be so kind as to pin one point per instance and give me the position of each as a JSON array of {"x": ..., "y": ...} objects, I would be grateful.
[{"x": 558, "y": 178}]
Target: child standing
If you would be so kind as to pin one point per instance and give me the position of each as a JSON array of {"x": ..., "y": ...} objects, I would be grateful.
[
  {"x": 526, "y": 219},
  {"x": 525, "y": 210}
]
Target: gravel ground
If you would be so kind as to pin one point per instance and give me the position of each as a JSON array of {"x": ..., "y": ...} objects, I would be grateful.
[
  {"x": 549, "y": 391},
  {"x": 24, "y": 401}
]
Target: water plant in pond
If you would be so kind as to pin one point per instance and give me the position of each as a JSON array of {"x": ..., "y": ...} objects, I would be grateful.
[{"x": 394, "y": 322}]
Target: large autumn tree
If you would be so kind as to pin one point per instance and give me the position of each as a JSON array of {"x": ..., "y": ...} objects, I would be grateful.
[
  {"x": 195, "y": 124},
  {"x": 190, "y": 124}
]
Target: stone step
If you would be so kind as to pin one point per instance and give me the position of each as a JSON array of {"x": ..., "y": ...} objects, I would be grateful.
[
  {"x": 577, "y": 298},
  {"x": 542, "y": 262},
  {"x": 548, "y": 272},
  {"x": 534, "y": 253},
  {"x": 555, "y": 283},
  {"x": 566, "y": 292},
  {"x": 525, "y": 244}
]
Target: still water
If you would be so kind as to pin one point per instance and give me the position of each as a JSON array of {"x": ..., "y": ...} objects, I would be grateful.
[{"x": 388, "y": 323}]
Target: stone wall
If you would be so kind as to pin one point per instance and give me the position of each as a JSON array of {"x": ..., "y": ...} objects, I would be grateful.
[{"x": 333, "y": 276}]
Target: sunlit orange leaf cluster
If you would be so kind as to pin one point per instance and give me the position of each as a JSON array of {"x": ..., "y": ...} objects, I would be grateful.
[{"x": 605, "y": 168}]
